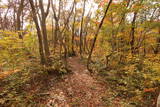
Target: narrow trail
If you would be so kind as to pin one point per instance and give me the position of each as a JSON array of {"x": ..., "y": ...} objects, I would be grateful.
[{"x": 79, "y": 89}]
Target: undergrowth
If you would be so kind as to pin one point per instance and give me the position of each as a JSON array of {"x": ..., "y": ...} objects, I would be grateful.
[
  {"x": 26, "y": 87},
  {"x": 133, "y": 83}
]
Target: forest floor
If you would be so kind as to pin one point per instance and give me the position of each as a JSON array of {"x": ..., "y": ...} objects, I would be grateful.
[
  {"x": 33, "y": 87},
  {"x": 79, "y": 89}
]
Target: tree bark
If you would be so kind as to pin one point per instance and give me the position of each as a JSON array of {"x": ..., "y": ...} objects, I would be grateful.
[
  {"x": 96, "y": 35},
  {"x": 81, "y": 30},
  {"x": 44, "y": 29},
  {"x": 19, "y": 13},
  {"x": 132, "y": 34},
  {"x": 56, "y": 18},
  {"x": 73, "y": 31},
  {"x": 35, "y": 19}
]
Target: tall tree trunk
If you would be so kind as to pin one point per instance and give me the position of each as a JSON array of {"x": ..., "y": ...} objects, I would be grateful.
[
  {"x": 65, "y": 52},
  {"x": 56, "y": 18},
  {"x": 73, "y": 31},
  {"x": 19, "y": 13},
  {"x": 96, "y": 35},
  {"x": 45, "y": 40},
  {"x": 56, "y": 33},
  {"x": 88, "y": 18},
  {"x": 84, "y": 43},
  {"x": 52, "y": 30},
  {"x": 44, "y": 29},
  {"x": 35, "y": 19},
  {"x": 14, "y": 18},
  {"x": 81, "y": 30},
  {"x": 132, "y": 34},
  {"x": 114, "y": 40}
]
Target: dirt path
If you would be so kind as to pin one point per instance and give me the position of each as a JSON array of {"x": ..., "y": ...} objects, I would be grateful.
[{"x": 79, "y": 89}]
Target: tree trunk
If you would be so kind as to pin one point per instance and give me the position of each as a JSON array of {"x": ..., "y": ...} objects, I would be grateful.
[
  {"x": 44, "y": 29},
  {"x": 19, "y": 13},
  {"x": 96, "y": 35},
  {"x": 56, "y": 18},
  {"x": 56, "y": 34},
  {"x": 81, "y": 30},
  {"x": 35, "y": 19},
  {"x": 73, "y": 32},
  {"x": 132, "y": 34}
]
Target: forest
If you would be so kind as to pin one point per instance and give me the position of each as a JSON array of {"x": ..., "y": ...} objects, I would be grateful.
[{"x": 79, "y": 53}]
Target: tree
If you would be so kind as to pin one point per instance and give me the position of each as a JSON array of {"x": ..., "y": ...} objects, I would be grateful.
[
  {"x": 35, "y": 19},
  {"x": 43, "y": 17},
  {"x": 82, "y": 29},
  {"x": 73, "y": 29},
  {"x": 56, "y": 18},
  {"x": 96, "y": 35},
  {"x": 19, "y": 13}
]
